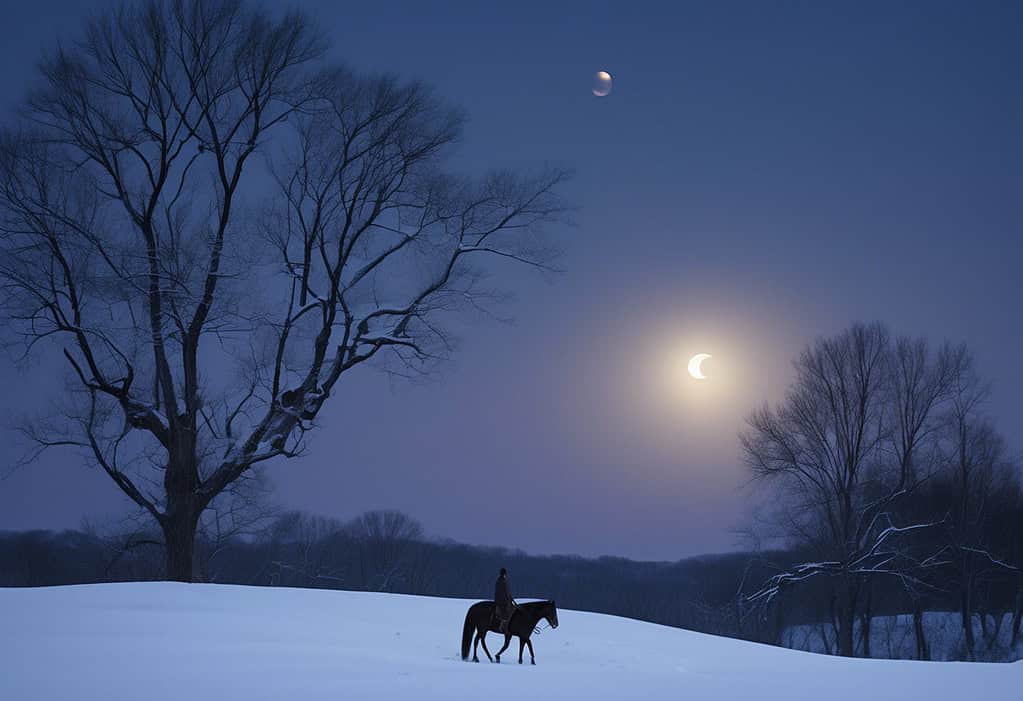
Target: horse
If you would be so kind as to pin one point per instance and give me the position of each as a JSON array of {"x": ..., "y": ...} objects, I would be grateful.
[{"x": 480, "y": 617}]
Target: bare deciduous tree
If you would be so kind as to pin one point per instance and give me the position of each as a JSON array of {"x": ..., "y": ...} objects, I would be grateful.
[
  {"x": 206, "y": 305},
  {"x": 848, "y": 443},
  {"x": 978, "y": 474},
  {"x": 386, "y": 545}
]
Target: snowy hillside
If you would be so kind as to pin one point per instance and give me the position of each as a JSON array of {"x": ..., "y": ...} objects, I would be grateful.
[{"x": 186, "y": 642}]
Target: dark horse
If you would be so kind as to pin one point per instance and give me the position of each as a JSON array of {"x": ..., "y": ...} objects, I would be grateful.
[{"x": 480, "y": 618}]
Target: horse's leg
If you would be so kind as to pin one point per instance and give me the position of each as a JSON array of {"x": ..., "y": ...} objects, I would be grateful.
[
  {"x": 507, "y": 642},
  {"x": 475, "y": 645},
  {"x": 522, "y": 644},
  {"x": 532, "y": 657},
  {"x": 483, "y": 639}
]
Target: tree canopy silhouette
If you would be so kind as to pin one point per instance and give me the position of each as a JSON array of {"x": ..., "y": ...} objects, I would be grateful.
[{"x": 214, "y": 225}]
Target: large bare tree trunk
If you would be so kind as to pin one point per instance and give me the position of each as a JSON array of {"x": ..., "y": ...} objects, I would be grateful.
[
  {"x": 966, "y": 616},
  {"x": 865, "y": 621},
  {"x": 1017, "y": 614},
  {"x": 179, "y": 537},
  {"x": 846, "y": 620},
  {"x": 923, "y": 652},
  {"x": 181, "y": 518}
]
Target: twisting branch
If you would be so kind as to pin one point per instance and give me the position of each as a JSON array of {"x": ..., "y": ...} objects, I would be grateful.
[{"x": 127, "y": 241}]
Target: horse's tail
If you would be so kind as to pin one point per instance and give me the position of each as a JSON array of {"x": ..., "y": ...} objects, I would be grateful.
[{"x": 467, "y": 634}]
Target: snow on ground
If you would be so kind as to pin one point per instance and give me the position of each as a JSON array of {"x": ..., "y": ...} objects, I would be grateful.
[{"x": 201, "y": 641}]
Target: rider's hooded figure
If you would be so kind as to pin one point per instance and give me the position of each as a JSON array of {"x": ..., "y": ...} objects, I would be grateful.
[{"x": 503, "y": 603}]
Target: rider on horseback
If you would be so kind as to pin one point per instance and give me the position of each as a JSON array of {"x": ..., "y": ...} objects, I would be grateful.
[{"x": 504, "y": 605}]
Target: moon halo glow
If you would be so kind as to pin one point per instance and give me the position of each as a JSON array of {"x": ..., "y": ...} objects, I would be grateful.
[{"x": 694, "y": 366}]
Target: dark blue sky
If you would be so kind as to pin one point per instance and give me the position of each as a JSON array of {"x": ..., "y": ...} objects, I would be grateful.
[{"x": 762, "y": 173}]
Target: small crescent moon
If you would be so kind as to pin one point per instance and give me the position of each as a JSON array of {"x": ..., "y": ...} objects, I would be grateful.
[{"x": 694, "y": 365}]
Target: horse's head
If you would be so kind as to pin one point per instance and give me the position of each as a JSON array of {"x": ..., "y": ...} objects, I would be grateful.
[{"x": 550, "y": 612}]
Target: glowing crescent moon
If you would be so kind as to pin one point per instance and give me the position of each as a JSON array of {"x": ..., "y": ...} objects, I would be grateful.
[{"x": 694, "y": 365}]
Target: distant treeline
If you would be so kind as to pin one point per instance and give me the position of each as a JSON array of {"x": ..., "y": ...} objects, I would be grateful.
[{"x": 386, "y": 551}]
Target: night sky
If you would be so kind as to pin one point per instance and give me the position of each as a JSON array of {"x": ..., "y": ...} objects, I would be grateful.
[{"x": 763, "y": 173}]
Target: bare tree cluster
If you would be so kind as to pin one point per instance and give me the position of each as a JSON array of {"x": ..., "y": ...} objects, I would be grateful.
[
  {"x": 886, "y": 469},
  {"x": 376, "y": 551},
  {"x": 213, "y": 226}
]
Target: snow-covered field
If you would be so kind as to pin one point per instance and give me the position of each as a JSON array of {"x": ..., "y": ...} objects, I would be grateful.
[{"x": 189, "y": 642}]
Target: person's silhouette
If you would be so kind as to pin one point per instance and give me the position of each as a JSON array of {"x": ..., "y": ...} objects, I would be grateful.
[{"x": 504, "y": 605}]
